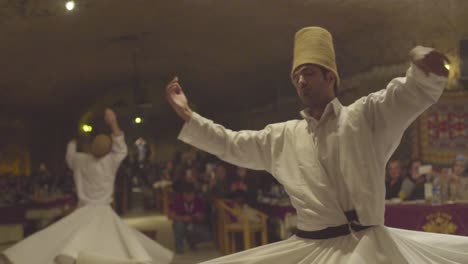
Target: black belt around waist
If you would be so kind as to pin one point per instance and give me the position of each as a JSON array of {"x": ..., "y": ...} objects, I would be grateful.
[{"x": 334, "y": 231}]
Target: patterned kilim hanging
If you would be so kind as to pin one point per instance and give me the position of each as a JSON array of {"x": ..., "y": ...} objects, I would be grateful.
[{"x": 442, "y": 130}]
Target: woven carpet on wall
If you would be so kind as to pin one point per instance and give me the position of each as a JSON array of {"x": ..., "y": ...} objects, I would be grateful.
[{"x": 442, "y": 130}]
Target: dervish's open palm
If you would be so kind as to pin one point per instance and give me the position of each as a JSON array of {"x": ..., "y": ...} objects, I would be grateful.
[
  {"x": 110, "y": 117},
  {"x": 177, "y": 99}
]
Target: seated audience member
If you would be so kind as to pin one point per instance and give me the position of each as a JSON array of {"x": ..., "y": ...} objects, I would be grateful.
[
  {"x": 188, "y": 215},
  {"x": 244, "y": 182},
  {"x": 241, "y": 209},
  {"x": 459, "y": 177},
  {"x": 219, "y": 185},
  {"x": 412, "y": 187},
  {"x": 394, "y": 179}
]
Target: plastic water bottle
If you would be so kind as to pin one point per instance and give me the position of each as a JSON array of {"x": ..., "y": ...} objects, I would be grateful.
[
  {"x": 427, "y": 192},
  {"x": 436, "y": 194}
]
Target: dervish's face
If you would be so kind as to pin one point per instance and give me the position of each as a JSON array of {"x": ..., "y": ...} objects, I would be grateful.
[{"x": 314, "y": 88}]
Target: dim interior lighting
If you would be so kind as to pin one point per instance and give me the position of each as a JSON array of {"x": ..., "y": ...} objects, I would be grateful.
[
  {"x": 138, "y": 120},
  {"x": 447, "y": 66},
  {"x": 87, "y": 128},
  {"x": 70, "y": 5}
]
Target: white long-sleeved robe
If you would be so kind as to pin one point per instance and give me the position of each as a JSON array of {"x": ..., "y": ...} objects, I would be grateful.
[
  {"x": 93, "y": 229},
  {"x": 333, "y": 165},
  {"x": 94, "y": 178}
]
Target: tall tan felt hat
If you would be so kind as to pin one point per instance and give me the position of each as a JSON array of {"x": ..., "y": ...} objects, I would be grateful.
[{"x": 314, "y": 45}]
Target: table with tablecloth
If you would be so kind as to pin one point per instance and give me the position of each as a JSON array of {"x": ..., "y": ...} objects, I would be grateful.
[
  {"x": 445, "y": 218},
  {"x": 46, "y": 211},
  {"x": 14, "y": 217}
]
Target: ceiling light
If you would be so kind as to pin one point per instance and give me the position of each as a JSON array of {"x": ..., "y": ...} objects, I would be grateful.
[
  {"x": 70, "y": 5},
  {"x": 87, "y": 128}
]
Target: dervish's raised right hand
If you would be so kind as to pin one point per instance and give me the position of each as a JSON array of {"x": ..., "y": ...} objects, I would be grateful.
[{"x": 177, "y": 99}]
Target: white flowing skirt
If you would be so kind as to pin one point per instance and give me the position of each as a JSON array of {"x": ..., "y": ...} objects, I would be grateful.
[
  {"x": 91, "y": 229},
  {"x": 374, "y": 245}
]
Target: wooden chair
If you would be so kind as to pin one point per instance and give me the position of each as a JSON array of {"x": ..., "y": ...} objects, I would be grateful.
[
  {"x": 158, "y": 199},
  {"x": 228, "y": 227},
  {"x": 167, "y": 197},
  {"x": 163, "y": 194}
]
